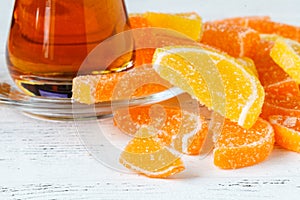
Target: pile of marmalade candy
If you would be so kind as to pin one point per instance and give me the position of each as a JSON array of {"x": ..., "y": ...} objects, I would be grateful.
[{"x": 258, "y": 65}]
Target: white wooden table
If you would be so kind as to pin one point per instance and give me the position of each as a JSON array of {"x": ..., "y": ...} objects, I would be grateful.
[{"x": 46, "y": 160}]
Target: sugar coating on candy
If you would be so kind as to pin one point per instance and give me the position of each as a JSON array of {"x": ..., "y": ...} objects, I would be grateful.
[
  {"x": 290, "y": 121},
  {"x": 287, "y": 87},
  {"x": 284, "y": 30},
  {"x": 287, "y": 132},
  {"x": 182, "y": 130},
  {"x": 191, "y": 135},
  {"x": 235, "y": 40},
  {"x": 84, "y": 88},
  {"x": 238, "y": 92},
  {"x": 286, "y": 105},
  {"x": 264, "y": 24},
  {"x": 237, "y": 147},
  {"x": 286, "y": 53},
  {"x": 137, "y": 82},
  {"x": 146, "y": 155}
]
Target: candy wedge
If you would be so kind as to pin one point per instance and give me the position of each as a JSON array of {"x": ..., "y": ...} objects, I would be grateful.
[
  {"x": 286, "y": 53},
  {"x": 214, "y": 79}
]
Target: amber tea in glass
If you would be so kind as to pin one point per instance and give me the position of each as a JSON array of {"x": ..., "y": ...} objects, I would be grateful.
[{"x": 49, "y": 40}]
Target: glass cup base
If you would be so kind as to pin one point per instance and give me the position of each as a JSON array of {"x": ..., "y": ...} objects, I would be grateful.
[{"x": 45, "y": 87}]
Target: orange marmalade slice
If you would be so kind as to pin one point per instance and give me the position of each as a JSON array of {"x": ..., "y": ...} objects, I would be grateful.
[
  {"x": 287, "y": 131},
  {"x": 286, "y": 53},
  {"x": 146, "y": 155},
  {"x": 264, "y": 24},
  {"x": 281, "y": 105},
  {"x": 236, "y": 147},
  {"x": 92, "y": 89},
  {"x": 237, "y": 41},
  {"x": 216, "y": 80}
]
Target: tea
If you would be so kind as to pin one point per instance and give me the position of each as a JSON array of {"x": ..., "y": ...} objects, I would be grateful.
[{"x": 49, "y": 40}]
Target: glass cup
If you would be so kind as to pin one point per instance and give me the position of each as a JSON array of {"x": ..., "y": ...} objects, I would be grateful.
[{"x": 50, "y": 39}]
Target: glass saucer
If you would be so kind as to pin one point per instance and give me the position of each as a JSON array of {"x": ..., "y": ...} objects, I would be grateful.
[{"x": 68, "y": 109}]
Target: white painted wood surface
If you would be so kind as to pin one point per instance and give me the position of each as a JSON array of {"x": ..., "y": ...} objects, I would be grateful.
[{"x": 46, "y": 160}]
